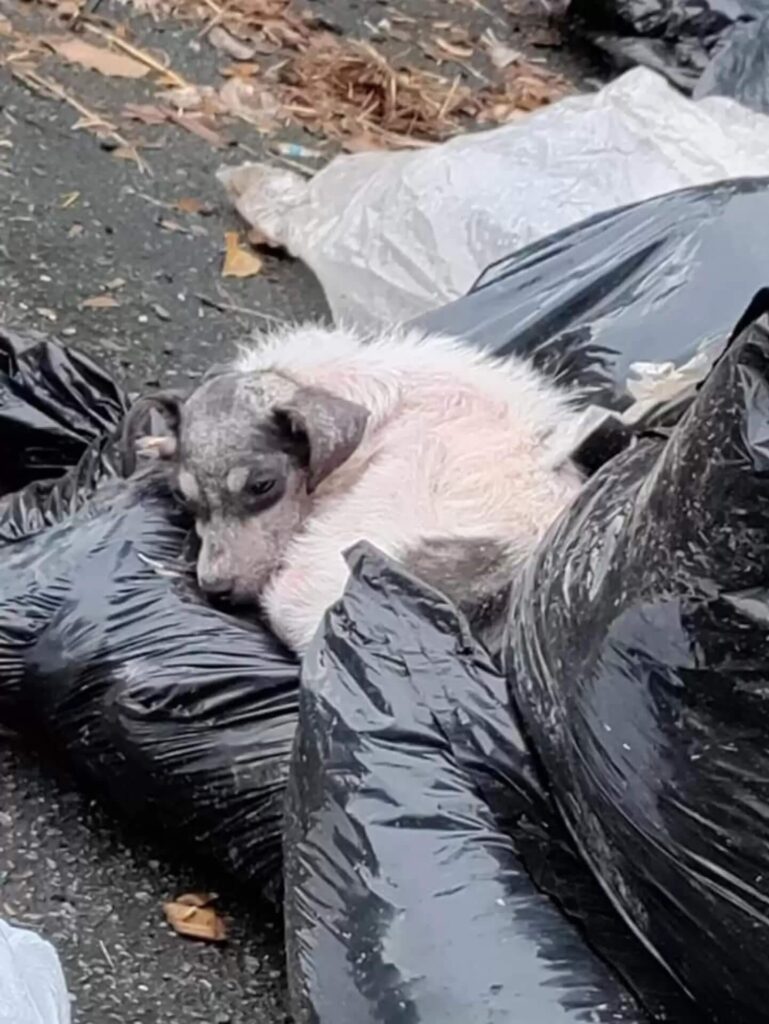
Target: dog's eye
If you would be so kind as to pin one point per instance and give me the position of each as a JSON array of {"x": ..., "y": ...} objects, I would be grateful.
[{"x": 257, "y": 488}]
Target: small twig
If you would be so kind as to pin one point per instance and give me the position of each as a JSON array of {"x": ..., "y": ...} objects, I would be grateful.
[
  {"x": 449, "y": 97},
  {"x": 107, "y": 957},
  {"x": 133, "y": 51},
  {"x": 218, "y": 14},
  {"x": 228, "y": 307}
]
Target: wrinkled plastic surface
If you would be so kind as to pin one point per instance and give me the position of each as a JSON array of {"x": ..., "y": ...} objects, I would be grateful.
[
  {"x": 708, "y": 47},
  {"x": 182, "y": 716},
  {"x": 393, "y": 235},
  {"x": 634, "y": 305},
  {"x": 406, "y": 897},
  {"x": 638, "y": 654},
  {"x": 32, "y": 987},
  {"x": 53, "y": 403}
]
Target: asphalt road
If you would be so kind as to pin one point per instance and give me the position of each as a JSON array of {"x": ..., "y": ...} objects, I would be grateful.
[{"x": 78, "y": 222}]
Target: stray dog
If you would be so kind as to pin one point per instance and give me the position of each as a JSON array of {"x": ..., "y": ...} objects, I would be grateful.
[{"x": 443, "y": 457}]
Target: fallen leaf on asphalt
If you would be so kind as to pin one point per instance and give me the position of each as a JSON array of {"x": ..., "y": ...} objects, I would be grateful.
[
  {"x": 189, "y": 204},
  {"x": 239, "y": 262},
  {"x": 227, "y": 43},
  {"x": 97, "y": 58},
  {"x": 191, "y": 916},
  {"x": 99, "y": 302}
]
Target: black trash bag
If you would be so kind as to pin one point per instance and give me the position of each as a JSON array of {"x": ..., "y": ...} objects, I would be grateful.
[
  {"x": 183, "y": 717},
  {"x": 54, "y": 402},
  {"x": 597, "y": 297},
  {"x": 717, "y": 47},
  {"x": 406, "y": 900},
  {"x": 638, "y": 656}
]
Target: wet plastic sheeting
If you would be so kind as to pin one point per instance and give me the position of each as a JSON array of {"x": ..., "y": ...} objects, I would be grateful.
[
  {"x": 638, "y": 655},
  {"x": 405, "y": 901},
  {"x": 708, "y": 47},
  {"x": 183, "y": 717},
  {"x": 660, "y": 281},
  {"x": 53, "y": 403}
]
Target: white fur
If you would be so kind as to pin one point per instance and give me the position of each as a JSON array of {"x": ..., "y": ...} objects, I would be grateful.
[{"x": 458, "y": 444}]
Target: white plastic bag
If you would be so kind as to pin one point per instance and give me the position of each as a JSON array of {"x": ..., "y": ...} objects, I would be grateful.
[
  {"x": 392, "y": 235},
  {"x": 32, "y": 987}
]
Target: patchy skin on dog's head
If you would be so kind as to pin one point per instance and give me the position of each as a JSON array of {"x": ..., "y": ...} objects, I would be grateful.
[{"x": 246, "y": 452}]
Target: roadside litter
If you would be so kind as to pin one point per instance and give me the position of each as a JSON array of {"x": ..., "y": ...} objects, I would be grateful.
[
  {"x": 393, "y": 235},
  {"x": 708, "y": 48},
  {"x": 32, "y": 988}
]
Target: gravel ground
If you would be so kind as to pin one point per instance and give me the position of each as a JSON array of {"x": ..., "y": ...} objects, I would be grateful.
[{"x": 76, "y": 221}]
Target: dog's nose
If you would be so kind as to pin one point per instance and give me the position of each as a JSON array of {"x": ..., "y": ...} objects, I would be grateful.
[{"x": 216, "y": 587}]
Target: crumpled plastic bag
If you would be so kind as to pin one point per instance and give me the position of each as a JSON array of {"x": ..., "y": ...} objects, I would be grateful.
[
  {"x": 707, "y": 47},
  {"x": 32, "y": 986},
  {"x": 638, "y": 658},
  {"x": 634, "y": 305},
  {"x": 181, "y": 716},
  {"x": 393, "y": 235},
  {"x": 413, "y": 804}
]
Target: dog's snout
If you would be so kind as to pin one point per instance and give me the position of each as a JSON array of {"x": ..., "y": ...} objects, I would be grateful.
[{"x": 218, "y": 587}]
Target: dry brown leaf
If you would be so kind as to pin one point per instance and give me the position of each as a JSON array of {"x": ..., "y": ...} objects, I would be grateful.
[
  {"x": 225, "y": 42},
  {"x": 454, "y": 50},
  {"x": 195, "y": 920},
  {"x": 245, "y": 70},
  {"x": 188, "y": 204},
  {"x": 100, "y": 302},
  {"x": 97, "y": 58},
  {"x": 239, "y": 262}
]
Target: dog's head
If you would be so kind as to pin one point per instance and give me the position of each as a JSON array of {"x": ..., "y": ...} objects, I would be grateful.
[{"x": 246, "y": 451}]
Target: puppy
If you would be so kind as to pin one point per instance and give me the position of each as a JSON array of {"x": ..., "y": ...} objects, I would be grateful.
[{"x": 441, "y": 456}]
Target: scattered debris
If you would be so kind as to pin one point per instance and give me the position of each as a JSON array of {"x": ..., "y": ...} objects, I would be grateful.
[
  {"x": 227, "y": 43},
  {"x": 100, "y": 302},
  {"x": 69, "y": 199},
  {"x": 96, "y": 58},
  {"x": 500, "y": 54},
  {"x": 239, "y": 262},
  {"x": 168, "y": 75},
  {"x": 342, "y": 88},
  {"x": 192, "y": 916},
  {"x": 89, "y": 119},
  {"x": 455, "y": 50},
  {"x": 189, "y": 204}
]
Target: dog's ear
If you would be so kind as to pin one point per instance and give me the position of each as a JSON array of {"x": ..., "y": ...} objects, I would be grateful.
[
  {"x": 332, "y": 427},
  {"x": 139, "y": 434}
]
